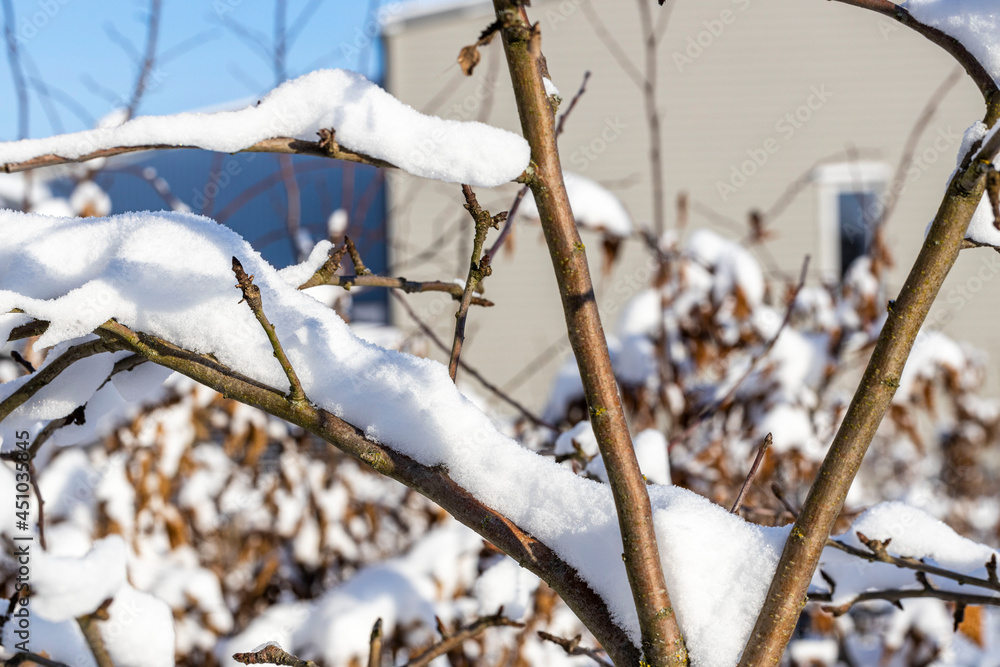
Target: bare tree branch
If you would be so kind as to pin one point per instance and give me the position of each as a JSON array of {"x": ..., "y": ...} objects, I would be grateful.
[
  {"x": 479, "y": 268},
  {"x": 944, "y": 240},
  {"x": 251, "y": 294},
  {"x": 14, "y": 60},
  {"x": 750, "y": 475},
  {"x": 662, "y": 642}
]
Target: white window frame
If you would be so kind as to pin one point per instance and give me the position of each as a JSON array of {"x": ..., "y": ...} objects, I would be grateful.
[{"x": 831, "y": 181}]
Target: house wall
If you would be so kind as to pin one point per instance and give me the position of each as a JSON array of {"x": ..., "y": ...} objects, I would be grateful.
[{"x": 867, "y": 79}]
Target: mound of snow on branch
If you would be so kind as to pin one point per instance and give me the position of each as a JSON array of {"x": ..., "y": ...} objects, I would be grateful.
[
  {"x": 169, "y": 275},
  {"x": 366, "y": 120}
]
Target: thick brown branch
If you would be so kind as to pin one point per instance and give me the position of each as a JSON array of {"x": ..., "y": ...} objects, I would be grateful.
[
  {"x": 808, "y": 537},
  {"x": 662, "y": 642},
  {"x": 434, "y": 483},
  {"x": 92, "y": 633}
]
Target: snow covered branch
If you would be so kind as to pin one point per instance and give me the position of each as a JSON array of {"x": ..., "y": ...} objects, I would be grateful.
[
  {"x": 428, "y": 480},
  {"x": 355, "y": 120}
]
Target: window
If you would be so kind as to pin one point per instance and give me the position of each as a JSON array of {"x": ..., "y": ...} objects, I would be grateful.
[{"x": 850, "y": 197}]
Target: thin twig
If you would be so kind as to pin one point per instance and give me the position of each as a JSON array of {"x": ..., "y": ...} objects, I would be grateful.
[
  {"x": 251, "y": 294},
  {"x": 878, "y": 553},
  {"x": 16, "y": 356},
  {"x": 750, "y": 475},
  {"x": 468, "y": 632},
  {"x": 152, "y": 32},
  {"x": 783, "y": 499},
  {"x": 895, "y": 595},
  {"x": 479, "y": 268},
  {"x": 14, "y": 59},
  {"x": 327, "y": 275},
  {"x": 375, "y": 645},
  {"x": 272, "y": 654},
  {"x": 709, "y": 411},
  {"x": 572, "y": 647},
  {"x": 496, "y": 391},
  {"x": 561, "y": 124},
  {"x": 652, "y": 111},
  {"x": 409, "y": 286},
  {"x": 33, "y": 478},
  {"x": 610, "y": 43},
  {"x": 352, "y": 250}
]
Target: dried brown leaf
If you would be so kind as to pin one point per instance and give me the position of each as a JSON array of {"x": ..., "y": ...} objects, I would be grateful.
[{"x": 468, "y": 58}]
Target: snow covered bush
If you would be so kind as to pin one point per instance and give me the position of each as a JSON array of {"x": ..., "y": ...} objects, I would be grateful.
[{"x": 165, "y": 432}]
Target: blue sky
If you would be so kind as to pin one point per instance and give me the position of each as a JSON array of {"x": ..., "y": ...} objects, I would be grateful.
[{"x": 86, "y": 54}]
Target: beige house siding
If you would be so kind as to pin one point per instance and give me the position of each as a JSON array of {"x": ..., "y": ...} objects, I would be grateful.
[{"x": 866, "y": 79}]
